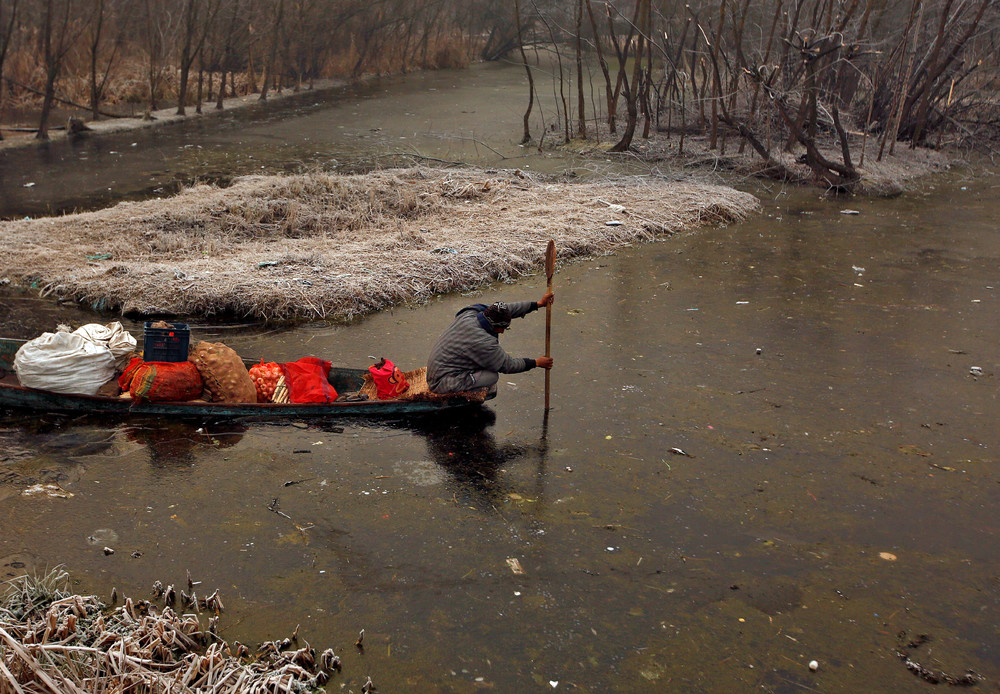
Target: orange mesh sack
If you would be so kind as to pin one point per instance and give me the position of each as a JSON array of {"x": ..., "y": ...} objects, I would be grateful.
[
  {"x": 265, "y": 379},
  {"x": 161, "y": 381},
  {"x": 224, "y": 373}
]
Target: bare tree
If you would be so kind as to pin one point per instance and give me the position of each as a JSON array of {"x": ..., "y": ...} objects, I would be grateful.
[
  {"x": 223, "y": 48},
  {"x": 157, "y": 27},
  {"x": 8, "y": 16},
  {"x": 57, "y": 34},
  {"x": 502, "y": 37},
  {"x": 581, "y": 127},
  {"x": 631, "y": 88},
  {"x": 198, "y": 18},
  {"x": 526, "y": 138},
  {"x": 108, "y": 17},
  {"x": 274, "y": 41},
  {"x": 608, "y": 92}
]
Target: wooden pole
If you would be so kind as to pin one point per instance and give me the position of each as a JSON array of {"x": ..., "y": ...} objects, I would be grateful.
[{"x": 550, "y": 269}]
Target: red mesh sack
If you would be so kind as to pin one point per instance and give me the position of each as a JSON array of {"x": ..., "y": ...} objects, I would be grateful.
[
  {"x": 265, "y": 378},
  {"x": 390, "y": 382},
  {"x": 307, "y": 380},
  {"x": 161, "y": 381}
]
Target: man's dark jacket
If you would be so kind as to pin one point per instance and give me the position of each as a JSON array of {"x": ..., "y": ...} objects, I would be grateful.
[{"x": 470, "y": 344}]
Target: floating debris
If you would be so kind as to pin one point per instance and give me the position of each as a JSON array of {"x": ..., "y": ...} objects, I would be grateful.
[
  {"x": 329, "y": 661},
  {"x": 53, "y": 491},
  {"x": 515, "y": 566}
]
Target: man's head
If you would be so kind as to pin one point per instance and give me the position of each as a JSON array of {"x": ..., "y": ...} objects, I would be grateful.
[{"x": 498, "y": 316}]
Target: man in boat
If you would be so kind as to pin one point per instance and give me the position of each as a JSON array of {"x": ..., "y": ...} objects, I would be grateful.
[{"x": 468, "y": 355}]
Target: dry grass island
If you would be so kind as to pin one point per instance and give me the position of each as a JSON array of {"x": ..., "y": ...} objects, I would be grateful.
[{"x": 324, "y": 245}]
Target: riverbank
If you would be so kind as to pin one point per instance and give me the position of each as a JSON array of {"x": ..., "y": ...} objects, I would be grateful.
[
  {"x": 880, "y": 176},
  {"x": 324, "y": 245},
  {"x": 14, "y": 139}
]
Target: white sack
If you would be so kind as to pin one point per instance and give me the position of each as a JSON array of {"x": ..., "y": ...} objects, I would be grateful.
[
  {"x": 64, "y": 363},
  {"x": 113, "y": 336}
]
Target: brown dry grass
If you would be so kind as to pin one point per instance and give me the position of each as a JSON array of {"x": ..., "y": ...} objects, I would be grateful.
[
  {"x": 885, "y": 178},
  {"x": 326, "y": 245},
  {"x": 54, "y": 641}
]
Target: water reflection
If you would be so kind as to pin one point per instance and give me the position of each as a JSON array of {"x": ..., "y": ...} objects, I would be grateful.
[
  {"x": 465, "y": 446},
  {"x": 464, "y": 450},
  {"x": 62, "y": 438},
  {"x": 54, "y": 435},
  {"x": 173, "y": 444}
]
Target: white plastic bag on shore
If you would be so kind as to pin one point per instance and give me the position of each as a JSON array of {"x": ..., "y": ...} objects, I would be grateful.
[
  {"x": 64, "y": 363},
  {"x": 114, "y": 336}
]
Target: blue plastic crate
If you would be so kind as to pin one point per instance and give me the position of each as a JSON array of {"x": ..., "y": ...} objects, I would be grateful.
[{"x": 166, "y": 344}]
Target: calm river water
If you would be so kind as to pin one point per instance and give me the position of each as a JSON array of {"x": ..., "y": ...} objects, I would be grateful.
[{"x": 769, "y": 444}]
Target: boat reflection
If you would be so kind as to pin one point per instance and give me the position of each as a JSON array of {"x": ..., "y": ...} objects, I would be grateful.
[{"x": 174, "y": 443}]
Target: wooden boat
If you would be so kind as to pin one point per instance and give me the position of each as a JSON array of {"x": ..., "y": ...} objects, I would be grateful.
[{"x": 347, "y": 382}]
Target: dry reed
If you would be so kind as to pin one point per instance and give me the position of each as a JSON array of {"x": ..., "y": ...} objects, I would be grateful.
[
  {"x": 53, "y": 641},
  {"x": 323, "y": 245}
]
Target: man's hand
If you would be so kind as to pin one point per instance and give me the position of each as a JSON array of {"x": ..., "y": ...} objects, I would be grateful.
[
  {"x": 544, "y": 362},
  {"x": 546, "y": 300}
]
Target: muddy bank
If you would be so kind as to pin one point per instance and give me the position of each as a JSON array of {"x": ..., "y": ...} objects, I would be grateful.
[
  {"x": 17, "y": 138},
  {"x": 334, "y": 246},
  {"x": 885, "y": 176}
]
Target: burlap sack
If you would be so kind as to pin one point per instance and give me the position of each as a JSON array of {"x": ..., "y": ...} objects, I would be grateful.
[{"x": 224, "y": 374}]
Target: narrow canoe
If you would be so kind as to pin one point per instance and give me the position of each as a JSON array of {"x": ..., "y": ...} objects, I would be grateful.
[{"x": 345, "y": 381}]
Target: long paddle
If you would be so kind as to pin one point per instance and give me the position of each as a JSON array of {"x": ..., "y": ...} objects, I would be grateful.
[{"x": 550, "y": 269}]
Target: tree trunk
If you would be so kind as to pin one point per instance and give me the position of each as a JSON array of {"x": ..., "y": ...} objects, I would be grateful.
[
  {"x": 201, "y": 82},
  {"x": 273, "y": 54},
  {"x": 5, "y": 40},
  {"x": 632, "y": 88},
  {"x": 526, "y": 138},
  {"x": 222, "y": 91},
  {"x": 55, "y": 48},
  {"x": 716, "y": 82},
  {"x": 604, "y": 67},
  {"x": 581, "y": 128}
]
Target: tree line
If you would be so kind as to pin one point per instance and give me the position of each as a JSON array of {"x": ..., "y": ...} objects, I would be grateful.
[
  {"x": 837, "y": 80},
  {"x": 99, "y": 54},
  {"x": 821, "y": 77}
]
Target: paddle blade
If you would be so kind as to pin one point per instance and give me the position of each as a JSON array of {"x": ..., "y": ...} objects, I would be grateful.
[{"x": 550, "y": 259}]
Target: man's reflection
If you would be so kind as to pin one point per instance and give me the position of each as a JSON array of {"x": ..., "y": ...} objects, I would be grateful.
[{"x": 463, "y": 444}]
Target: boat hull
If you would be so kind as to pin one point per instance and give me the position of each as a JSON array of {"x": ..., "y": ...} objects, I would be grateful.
[{"x": 344, "y": 380}]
